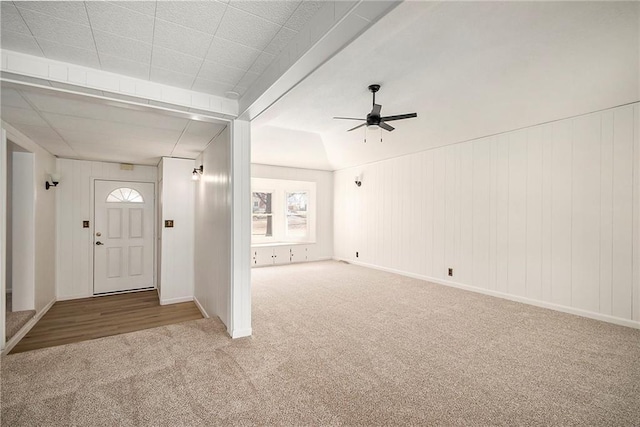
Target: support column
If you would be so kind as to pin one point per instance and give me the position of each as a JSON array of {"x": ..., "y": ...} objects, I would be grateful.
[{"x": 240, "y": 325}]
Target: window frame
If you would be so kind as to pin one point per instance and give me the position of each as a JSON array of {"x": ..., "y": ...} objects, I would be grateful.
[
  {"x": 286, "y": 214},
  {"x": 280, "y": 189},
  {"x": 261, "y": 238}
]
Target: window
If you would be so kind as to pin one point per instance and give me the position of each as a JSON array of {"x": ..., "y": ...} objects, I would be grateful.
[
  {"x": 297, "y": 225},
  {"x": 124, "y": 195},
  {"x": 282, "y": 211},
  {"x": 262, "y": 221}
]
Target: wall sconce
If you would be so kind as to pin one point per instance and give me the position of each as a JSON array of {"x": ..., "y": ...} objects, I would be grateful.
[
  {"x": 197, "y": 172},
  {"x": 55, "y": 179},
  {"x": 358, "y": 180}
]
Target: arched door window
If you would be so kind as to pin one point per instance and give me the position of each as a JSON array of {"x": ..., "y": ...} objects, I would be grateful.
[{"x": 124, "y": 195}]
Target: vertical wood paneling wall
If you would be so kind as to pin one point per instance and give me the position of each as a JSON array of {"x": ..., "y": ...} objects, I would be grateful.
[
  {"x": 547, "y": 214},
  {"x": 74, "y": 198}
]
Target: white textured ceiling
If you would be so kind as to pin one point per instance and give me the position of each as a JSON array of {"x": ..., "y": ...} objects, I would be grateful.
[
  {"x": 82, "y": 127},
  {"x": 206, "y": 46},
  {"x": 469, "y": 69}
]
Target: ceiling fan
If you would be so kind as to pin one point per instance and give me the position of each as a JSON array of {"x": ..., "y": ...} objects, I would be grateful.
[{"x": 374, "y": 120}]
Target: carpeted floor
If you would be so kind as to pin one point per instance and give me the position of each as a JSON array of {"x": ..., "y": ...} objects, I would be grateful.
[
  {"x": 336, "y": 344},
  {"x": 15, "y": 320}
]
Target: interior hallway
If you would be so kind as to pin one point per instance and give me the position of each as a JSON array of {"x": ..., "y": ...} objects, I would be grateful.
[{"x": 89, "y": 318}]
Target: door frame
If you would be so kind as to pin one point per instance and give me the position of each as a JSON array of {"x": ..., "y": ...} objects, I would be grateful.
[{"x": 92, "y": 224}]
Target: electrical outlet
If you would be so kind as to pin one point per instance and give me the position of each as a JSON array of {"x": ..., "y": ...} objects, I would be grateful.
[
  {"x": 451, "y": 272},
  {"x": 356, "y": 254}
]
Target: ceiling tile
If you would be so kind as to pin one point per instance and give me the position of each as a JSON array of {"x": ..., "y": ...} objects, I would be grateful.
[
  {"x": 277, "y": 12},
  {"x": 72, "y": 11},
  {"x": 132, "y": 50},
  {"x": 261, "y": 64},
  {"x": 204, "y": 129},
  {"x": 220, "y": 73},
  {"x": 104, "y": 127},
  {"x": 303, "y": 14},
  {"x": 211, "y": 87},
  {"x": 183, "y": 39},
  {"x": 280, "y": 41},
  {"x": 19, "y": 42},
  {"x": 12, "y": 98},
  {"x": 171, "y": 78},
  {"x": 114, "y": 19},
  {"x": 38, "y": 133},
  {"x": 71, "y": 107},
  {"x": 24, "y": 116},
  {"x": 248, "y": 79},
  {"x": 246, "y": 29},
  {"x": 145, "y": 7},
  {"x": 12, "y": 20},
  {"x": 119, "y": 65},
  {"x": 232, "y": 54},
  {"x": 64, "y": 32},
  {"x": 175, "y": 61},
  {"x": 61, "y": 52},
  {"x": 198, "y": 15}
]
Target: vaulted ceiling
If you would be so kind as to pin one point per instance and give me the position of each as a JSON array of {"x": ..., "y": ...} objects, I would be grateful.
[{"x": 469, "y": 69}]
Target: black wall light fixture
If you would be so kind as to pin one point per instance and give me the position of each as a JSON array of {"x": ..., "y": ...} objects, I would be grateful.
[
  {"x": 55, "y": 180},
  {"x": 358, "y": 180},
  {"x": 197, "y": 172}
]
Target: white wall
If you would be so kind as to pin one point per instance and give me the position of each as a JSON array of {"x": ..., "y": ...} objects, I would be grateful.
[
  {"x": 324, "y": 199},
  {"x": 543, "y": 214},
  {"x": 44, "y": 218},
  {"x": 74, "y": 205},
  {"x": 177, "y": 243},
  {"x": 22, "y": 234},
  {"x": 212, "y": 262}
]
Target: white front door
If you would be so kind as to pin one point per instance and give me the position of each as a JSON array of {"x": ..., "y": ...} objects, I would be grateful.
[{"x": 123, "y": 236}]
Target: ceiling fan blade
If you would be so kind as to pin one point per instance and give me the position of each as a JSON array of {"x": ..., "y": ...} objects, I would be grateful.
[
  {"x": 385, "y": 126},
  {"x": 399, "y": 117},
  {"x": 359, "y": 126},
  {"x": 376, "y": 109},
  {"x": 347, "y": 118}
]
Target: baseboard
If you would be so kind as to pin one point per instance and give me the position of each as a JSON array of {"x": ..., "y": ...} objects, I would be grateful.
[
  {"x": 68, "y": 298},
  {"x": 175, "y": 300},
  {"x": 201, "y": 308},
  {"x": 26, "y": 328},
  {"x": 557, "y": 307},
  {"x": 240, "y": 333}
]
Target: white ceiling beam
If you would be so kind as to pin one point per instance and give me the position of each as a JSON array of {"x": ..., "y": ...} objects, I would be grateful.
[
  {"x": 21, "y": 67},
  {"x": 334, "y": 26}
]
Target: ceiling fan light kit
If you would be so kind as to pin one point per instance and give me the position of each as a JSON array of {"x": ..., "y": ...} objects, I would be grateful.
[{"x": 374, "y": 121}]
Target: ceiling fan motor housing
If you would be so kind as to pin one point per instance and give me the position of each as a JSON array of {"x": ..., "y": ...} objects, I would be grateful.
[{"x": 373, "y": 119}]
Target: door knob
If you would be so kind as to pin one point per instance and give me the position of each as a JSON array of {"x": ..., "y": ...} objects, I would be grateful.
[{"x": 99, "y": 243}]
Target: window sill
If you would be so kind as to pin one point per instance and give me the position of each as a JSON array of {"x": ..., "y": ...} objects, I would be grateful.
[{"x": 270, "y": 244}]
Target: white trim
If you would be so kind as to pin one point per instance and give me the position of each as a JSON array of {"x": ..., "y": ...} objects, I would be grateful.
[
  {"x": 92, "y": 224},
  {"x": 26, "y": 328},
  {"x": 201, "y": 308},
  {"x": 3, "y": 237},
  {"x": 240, "y": 333},
  {"x": 239, "y": 310},
  {"x": 101, "y": 84},
  {"x": 543, "y": 304},
  {"x": 175, "y": 300}
]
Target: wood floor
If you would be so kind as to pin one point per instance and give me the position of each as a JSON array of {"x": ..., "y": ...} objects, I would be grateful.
[{"x": 89, "y": 318}]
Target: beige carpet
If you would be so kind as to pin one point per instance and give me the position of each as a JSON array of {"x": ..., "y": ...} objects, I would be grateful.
[
  {"x": 15, "y": 320},
  {"x": 336, "y": 344}
]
